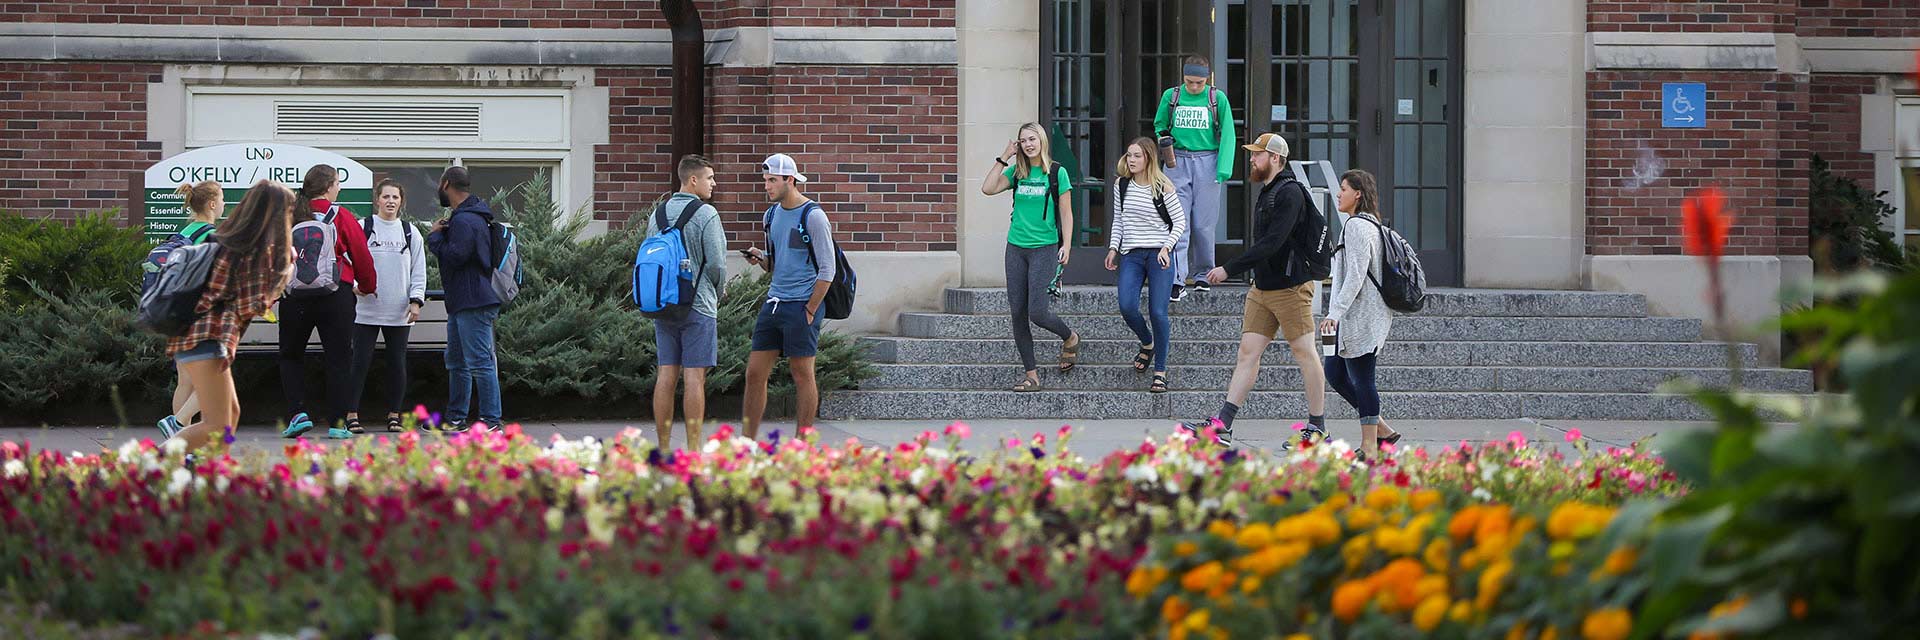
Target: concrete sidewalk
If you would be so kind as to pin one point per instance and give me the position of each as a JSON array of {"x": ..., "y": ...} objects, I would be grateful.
[{"x": 1092, "y": 438}]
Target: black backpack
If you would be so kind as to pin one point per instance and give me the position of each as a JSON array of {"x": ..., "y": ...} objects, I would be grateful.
[
  {"x": 838, "y": 304},
  {"x": 1159, "y": 202},
  {"x": 1316, "y": 261},
  {"x": 1402, "y": 282},
  {"x": 406, "y": 233},
  {"x": 167, "y": 307},
  {"x": 156, "y": 260}
]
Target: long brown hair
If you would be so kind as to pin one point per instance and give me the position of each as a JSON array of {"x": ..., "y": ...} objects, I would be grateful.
[
  {"x": 1363, "y": 183},
  {"x": 318, "y": 180},
  {"x": 384, "y": 183},
  {"x": 260, "y": 230}
]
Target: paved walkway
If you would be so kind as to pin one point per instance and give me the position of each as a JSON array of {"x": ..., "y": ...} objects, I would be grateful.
[{"x": 1092, "y": 438}]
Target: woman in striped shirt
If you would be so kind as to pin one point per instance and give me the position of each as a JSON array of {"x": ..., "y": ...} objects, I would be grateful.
[{"x": 1147, "y": 222}]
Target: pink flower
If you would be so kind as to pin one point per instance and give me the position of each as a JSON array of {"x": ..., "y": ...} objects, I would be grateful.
[
  {"x": 959, "y": 430},
  {"x": 1064, "y": 430},
  {"x": 1516, "y": 439},
  {"x": 1573, "y": 436}
]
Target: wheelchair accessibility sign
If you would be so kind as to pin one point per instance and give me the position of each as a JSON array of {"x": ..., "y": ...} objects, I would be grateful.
[{"x": 1683, "y": 105}]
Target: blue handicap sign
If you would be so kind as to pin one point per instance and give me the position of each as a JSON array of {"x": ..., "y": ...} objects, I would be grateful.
[{"x": 1683, "y": 105}]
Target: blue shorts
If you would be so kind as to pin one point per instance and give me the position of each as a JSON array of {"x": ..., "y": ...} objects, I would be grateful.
[
  {"x": 206, "y": 350},
  {"x": 692, "y": 342},
  {"x": 782, "y": 327}
]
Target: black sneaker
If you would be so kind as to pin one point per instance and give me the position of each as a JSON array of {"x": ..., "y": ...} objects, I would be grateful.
[
  {"x": 1222, "y": 434},
  {"x": 1179, "y": 293},
  {"x": 1201, "y": 286},
  {"x": 1311, "y": 434},
  {"x": 456, "y": 426}
]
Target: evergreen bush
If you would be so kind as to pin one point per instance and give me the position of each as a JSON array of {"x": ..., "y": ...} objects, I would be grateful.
[{"x": 91, "y": 254}]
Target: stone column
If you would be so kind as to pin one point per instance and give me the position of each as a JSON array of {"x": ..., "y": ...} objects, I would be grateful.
[{"x": 999, "y": 91}]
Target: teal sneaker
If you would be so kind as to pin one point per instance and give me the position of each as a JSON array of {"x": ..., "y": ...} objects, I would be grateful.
[
  {"x": 298, "y": 425},
  {"x": 169, "y": 427},
  {"x": 337, "y": 433}
]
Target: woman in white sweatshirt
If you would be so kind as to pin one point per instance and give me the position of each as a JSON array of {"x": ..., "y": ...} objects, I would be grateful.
[
  {"x": 1356, "y": 311},
  {"x": 1147, "y": 222},
  {"x": 400, "y": 259}
]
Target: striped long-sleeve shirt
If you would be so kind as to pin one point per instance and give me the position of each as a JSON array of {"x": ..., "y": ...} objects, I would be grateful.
[{"x": 1137, "y": 223}]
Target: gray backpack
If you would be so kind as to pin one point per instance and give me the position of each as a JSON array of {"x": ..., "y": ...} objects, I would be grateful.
[
  {"x": 316, "y": 269},
  {"x": 167, "y": 307}
]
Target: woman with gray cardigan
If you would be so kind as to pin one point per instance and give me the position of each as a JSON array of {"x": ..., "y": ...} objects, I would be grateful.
[{"x": 1355, "y": 309}]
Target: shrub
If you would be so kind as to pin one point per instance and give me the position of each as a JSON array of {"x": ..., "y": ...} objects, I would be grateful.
[
  {"x": 91, "y": 254},
  {"x": 1847, "y": 224},
  {"x": 77, "y": 349}
]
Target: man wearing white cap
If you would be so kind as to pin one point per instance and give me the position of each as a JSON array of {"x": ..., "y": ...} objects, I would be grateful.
[
  {"x": 800, "y": 256},
  {"x": 1287, "y": 267}
]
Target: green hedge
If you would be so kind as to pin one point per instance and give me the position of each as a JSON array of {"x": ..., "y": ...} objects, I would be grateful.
[{"x": 93, "y": 253}]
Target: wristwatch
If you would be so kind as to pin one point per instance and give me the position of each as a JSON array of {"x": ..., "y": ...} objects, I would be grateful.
[{"x": 417, "y": 301}]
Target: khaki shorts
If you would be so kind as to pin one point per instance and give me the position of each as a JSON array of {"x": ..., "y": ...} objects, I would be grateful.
[{"x": 1287, "y": 312}]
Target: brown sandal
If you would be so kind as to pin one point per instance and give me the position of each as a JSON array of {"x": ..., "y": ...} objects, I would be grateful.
[
  {"x": 1027, "y": 385},
  {"x": 1069, "y": 355}
]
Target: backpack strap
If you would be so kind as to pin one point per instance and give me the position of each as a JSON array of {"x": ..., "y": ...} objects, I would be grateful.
[
  {"x": 333, "y": 211},
  {"x": 366, "y": 226},
  {"x": 201, "y": 235},
  {"x": 806, "y": 238},
  {"x": 1052, "y": 198}
]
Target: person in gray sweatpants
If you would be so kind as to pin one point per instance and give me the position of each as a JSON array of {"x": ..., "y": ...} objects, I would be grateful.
[
  {"x": 1038, "y": 235},
  {"x": 1197, "y": 120}
]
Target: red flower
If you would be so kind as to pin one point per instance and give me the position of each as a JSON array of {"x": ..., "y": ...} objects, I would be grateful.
[{"x": 1704, "y": 223}]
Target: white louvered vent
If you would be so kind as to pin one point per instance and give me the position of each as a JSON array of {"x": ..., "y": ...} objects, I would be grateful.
[{"x": 438, "y": 120}]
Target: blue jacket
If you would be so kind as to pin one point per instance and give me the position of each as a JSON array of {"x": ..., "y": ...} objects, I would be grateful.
[{"x": 464, "y": 249}]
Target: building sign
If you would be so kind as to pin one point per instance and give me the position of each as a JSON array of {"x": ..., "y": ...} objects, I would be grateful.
[
  {"x": 1683, "y": 105},
  {"x": 237, "y": 167}
]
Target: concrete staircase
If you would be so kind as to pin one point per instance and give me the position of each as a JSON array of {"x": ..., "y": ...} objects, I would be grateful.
[{"x": 1472, "y": 354}]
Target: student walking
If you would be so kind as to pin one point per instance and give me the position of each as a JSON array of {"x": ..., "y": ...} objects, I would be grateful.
[
  {"x": 800, "y": 255},
  {"x": 1038, "y": 243},
  {"x": 1288, "y": 258},
  {"x": 203, "y": 202},
  {"x": 250, "y": 272},
  {"x": 1147, "y": 223},
  {"x": 400, "y": 260},
  {"x": 687, "y": 347},
  {"x": 464, "y": 246},
  {"x": 1356, "y": 313},
  {"x": 330, "y": 258},
  {"x": 1198, "y": 121}
]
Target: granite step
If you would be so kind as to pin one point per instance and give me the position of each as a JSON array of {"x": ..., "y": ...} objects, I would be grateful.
[
  {"x": 1228, "y": 301},
  {"x": 937, "y": 351},
  {"x": 1111, "y": 326},
  {"x": 920, "y": 377},
  {"x": 1188, "y": 405}
]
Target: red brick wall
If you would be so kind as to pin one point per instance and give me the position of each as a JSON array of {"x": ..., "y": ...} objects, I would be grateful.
[
  {"x": 1753, "y": 148},
  {"x": 74, "y": 133},
  {"x": 536, "y": 14},
  {"x": 1834, "y": 131},
  {"x": 1859, "y": 18},
  {"x": 885, "y": 177},
  {"x": 1741, "y": 16}
]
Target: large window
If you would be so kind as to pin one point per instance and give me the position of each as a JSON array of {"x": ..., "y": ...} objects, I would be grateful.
[
  {"x": 1906, "y": 176},
  {"x": 491, "y": 179}
]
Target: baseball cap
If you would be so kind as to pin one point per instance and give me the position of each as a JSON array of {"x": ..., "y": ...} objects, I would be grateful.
[
  {"x": 1268, "y": 142},
  {"x": 781, "y": 164}
]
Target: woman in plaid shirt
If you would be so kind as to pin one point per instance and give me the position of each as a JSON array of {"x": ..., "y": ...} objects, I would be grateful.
[{"x": 249, "y": 274}]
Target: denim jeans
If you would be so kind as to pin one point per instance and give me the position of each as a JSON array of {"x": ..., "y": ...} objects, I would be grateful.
[
  {"x": 1352, "y": 378},
  {"x": 470, "y": 364},
  {"x": 1143, "y": 266}
]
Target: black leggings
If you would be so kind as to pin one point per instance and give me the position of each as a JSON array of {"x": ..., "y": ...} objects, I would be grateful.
[
  {"x": 364, "y": 336},
  {"x": 333, "y": 315}
]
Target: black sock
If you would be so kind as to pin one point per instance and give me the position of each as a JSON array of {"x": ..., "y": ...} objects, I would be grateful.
[
  {"x": 1318, "y": 422},
  {"x": 1227, "y": 410}
]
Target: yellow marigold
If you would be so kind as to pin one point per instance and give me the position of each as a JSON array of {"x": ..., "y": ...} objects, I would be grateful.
[
  {"x": 1561, "y": 550},
  {"x": 1425, "y": 499},
  {"x": 1384, "y": 498},
  {"x": 1290, "y": 528},
  {"x": 1396, "y": 541},
  {"x": 1430, "y": 612},
  {"x": 1271, "y": 560},
  {"x": 1460, "y": 612},
  {"x": 1400, "y": 580},
  {"x": 1607, "y": 624},
  {"x": 1550, "y": 633},
  {"x": 1299, "y": 636},
  {"x": 1491, "y": 582},
  {"x": 1196, "y": 621},
  {"x": 1518, "y": 632},
  {"x": 1356, "y": 550},
  {"x": 1362, "y": 519},
  {"x": 1439, "y": 554},
  {"x": 1337, "y": 502},
  {"x": 1497, "y": 521},
  {"x": 1179, "y": 632},
  {"x": 1464, "y": 522},
  {"x": 1276, "y": 500},
  {"x": 1184, "y": 548},
  {"x": 1201, "y": 578},
  {"x": 1322, "y": 529},
  {"x": 1620, "y": 561},
  {"x": 1144, "y": 579},
  {"x": 1217, "y": 634},
  {"x": 1430, "y": 586},
  {"x": 1222, "y": 529},
  {"x": 1578, "y": 521},
  {"x": 1222, "y": 584},
  {"x": 1250, "y": 584},
  {"x": 1350, "y": 598},
  {"x": 1255, "y": 536},
  {"x": 1173, "y": 609}
]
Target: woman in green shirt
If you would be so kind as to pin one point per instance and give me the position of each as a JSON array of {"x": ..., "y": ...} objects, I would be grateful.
[
  {"x": 204, "y": 203},
  {"x": 1037, "y": 243}
]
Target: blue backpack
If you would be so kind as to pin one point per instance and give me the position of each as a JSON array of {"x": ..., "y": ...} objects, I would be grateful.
[{"x": 663, "y": 279}]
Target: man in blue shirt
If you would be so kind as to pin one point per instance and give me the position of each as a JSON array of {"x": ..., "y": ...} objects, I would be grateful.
[{"x": 802, "y": 264}]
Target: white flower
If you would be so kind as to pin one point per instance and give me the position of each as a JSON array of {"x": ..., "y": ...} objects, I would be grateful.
[
  {"x": 174, "y": 446},
  {"x": 747, "y": 545},
  {"x": 1173, "y": 487},
  {"x": 1512, "y": 476},
  {"x": 555, "y": 517},
  {"x": 439, "y": 470},
  {"x": 1209, "y": 504},
  {"x": 16, "y": 468},
  {"x": 128, "y": 450},
  {"x": 1486, "y": 474},
  {"x": 1142, "y": 473},
  {"x": 937, "y": 452},
  {"x": 178, "y": 481},
  {"x": 918, "y": 475},
  {"x": 710, "y": 447},
  {"x": 221, "y": 483},
  {"x": 1482, "y": 494},
  {"x": 588, "y": 486},
  {"x": 341, "y": 478}
]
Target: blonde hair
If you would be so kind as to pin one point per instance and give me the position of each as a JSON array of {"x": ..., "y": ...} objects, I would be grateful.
[
  {"x": 200, "y": 197},
  {"x": 1162, "y": 185},
  {"x": 1046, "y": 153}
]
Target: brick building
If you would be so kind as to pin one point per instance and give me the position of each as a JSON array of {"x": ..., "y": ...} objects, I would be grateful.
[{"x": 1520, "y": 141}]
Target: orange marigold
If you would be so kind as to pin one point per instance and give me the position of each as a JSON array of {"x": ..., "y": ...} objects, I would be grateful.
[
  {"x": 1620, "y": 561},
  {"x": 1350, "y": 598},
  {"x": 1607, "y": 624}
]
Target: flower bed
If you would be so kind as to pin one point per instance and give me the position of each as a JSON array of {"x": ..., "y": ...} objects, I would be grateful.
[{"x": 422, "y": 536}]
